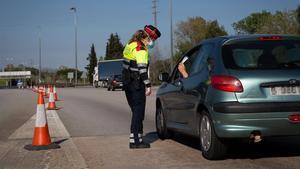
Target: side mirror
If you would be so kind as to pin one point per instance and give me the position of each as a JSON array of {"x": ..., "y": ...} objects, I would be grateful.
[{"x": 163, "y": 77}]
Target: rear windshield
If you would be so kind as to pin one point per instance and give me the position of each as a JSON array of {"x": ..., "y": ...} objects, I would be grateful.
[
  {"x": 281, "y": 54},
  {"x": 118, "y": 77}
]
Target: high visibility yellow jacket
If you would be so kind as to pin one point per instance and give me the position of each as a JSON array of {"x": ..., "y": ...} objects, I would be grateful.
[{"x": 136, "y": 58}]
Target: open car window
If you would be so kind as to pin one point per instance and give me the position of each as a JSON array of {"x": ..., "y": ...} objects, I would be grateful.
[{"x": 191, "y": 55}]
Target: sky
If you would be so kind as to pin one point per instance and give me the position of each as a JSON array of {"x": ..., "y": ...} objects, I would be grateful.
[{"x": 22, "y": 21}]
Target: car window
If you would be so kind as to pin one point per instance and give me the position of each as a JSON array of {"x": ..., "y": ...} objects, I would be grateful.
[
  {"x": 192, "y": 54},
  {"x": 262, "y": 55},
  {"x": 192, "y": 57},
  {"x": 176, "y": 74},
  {"x": 201, "y": 60}
]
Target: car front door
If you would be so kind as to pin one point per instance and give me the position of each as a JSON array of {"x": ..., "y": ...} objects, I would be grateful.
[
  {"x": 195, "y": 86},
  {"x": 180, "y": 103}
]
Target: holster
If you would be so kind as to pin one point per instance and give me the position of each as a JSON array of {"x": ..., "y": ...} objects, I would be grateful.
[
  {"x": 132, "y": 78},
  {"x": 135, "y": 80}
]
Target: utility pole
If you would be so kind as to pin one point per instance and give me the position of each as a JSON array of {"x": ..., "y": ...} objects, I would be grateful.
[
  {"x": 154, "y": 12},
  {"x": 155, "y": 50},
  {"x": 171, "y": 32},
  {"x": 40, "y": 54},
  {"x": 75, "y": 24},
  {"x": 154, "y": 7}
]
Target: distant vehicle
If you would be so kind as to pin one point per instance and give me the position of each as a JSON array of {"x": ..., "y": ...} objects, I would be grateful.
[
  {"x": 104, "y": 70},
  {"x": 238, "y": 87},
  {"x": 19, "y": 84},
  {"x": 115, "y": 82}
]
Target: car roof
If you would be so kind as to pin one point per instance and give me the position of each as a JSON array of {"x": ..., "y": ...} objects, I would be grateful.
[{"x": 245, "y": 37}]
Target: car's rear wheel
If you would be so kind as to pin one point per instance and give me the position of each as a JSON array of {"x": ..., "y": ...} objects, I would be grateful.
[
  {"x": 161, "y": 128},
  {"x": 212, "y": 147},
  {"x": 96, "y": 84},
  {"x": 108, "y": 88}
]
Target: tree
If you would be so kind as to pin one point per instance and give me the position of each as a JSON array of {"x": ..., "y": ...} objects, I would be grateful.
[
  {"x": 101, "y": 58},
  {"x": 62, "y": 73},
  {"x": 92, "y": 58},
  {"x": 281, "y": 22},
  {"x": 251, "y": 24},
  {"x": 194, "y": 30},
  {"x": 114, "y": 48},
  {"x": 158, "y": 66},
  {"x": 298, "y": 18},
  {"x": 214, "y": 30}
]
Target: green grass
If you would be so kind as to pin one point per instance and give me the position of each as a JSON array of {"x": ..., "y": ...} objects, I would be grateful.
[{"x": 2, "y": 82}]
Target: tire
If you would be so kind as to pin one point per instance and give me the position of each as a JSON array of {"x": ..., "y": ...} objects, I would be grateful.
[
  {"x": 108, "y": 88},
  {"x": 113, "y": 89},
  {"x": 212, "y": 147},
  {"x": 160, "y": 121},
  {"x": 96, "y": 84}
]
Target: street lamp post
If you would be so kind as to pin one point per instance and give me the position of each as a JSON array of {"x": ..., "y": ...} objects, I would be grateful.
[
  {"x": 75, "y": 24},
  {"x": 171, "y": 32}
]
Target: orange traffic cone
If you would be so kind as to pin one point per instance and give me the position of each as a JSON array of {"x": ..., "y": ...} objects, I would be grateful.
[
  {"x": 44, "y": 91},
  {"x": 51, "y": 104},
  {"x": 55, "y": 93},
  {"x": 40, "y": 89},
  {"x": 48, "y": 91},
  {"x": 41, "y": 139}
]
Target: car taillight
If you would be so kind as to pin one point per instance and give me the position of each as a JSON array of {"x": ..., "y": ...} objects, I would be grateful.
[
  {"x": 114, "y": 82},
  {"x": 294, "y": 118},
  {"x": 226, "y": 83}
]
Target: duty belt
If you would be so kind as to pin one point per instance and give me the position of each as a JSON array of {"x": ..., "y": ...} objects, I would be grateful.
[{"x": 128, "y": 64}]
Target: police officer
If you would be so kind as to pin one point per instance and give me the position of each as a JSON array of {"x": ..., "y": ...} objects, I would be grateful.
[{"x": 136, "y": 81}]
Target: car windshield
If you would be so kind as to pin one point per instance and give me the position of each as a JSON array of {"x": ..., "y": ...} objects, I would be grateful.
[{"x": 259, "y": 54}]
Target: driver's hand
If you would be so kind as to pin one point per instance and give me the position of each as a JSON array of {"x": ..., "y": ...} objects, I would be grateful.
[{"x": 182, "y": 70}]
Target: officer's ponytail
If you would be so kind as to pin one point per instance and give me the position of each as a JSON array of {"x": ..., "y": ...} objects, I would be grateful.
[{"x": 138, "y": 36}]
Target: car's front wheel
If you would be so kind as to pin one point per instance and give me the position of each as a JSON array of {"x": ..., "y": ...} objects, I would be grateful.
[
  {"x": 212, "y": 147},
  {"x": 161, "y": 128}
]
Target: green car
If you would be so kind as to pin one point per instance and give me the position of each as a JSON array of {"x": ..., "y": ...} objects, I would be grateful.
[{"x": 238, "y": 87}]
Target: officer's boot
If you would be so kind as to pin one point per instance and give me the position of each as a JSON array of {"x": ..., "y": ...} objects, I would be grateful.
[{"x": 138, "y": 143}]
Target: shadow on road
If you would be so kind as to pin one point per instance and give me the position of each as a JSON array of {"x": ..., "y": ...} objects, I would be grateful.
[
  {"x": 270, "y": 147},
  {"x": 60, "y": 141},
  {"x": 241, "y": 149},
  {"x": 151, "y": 137}
]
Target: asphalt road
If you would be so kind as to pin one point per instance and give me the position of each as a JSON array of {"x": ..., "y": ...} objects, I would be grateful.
[
  {"x": 16, "y": 107},
  {"x": 98, "y": 112},
  {"x": 98, "y": 122}
]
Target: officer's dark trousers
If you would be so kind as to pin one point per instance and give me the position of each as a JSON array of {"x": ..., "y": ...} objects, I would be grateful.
[{"x": 135, "y": 94}]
